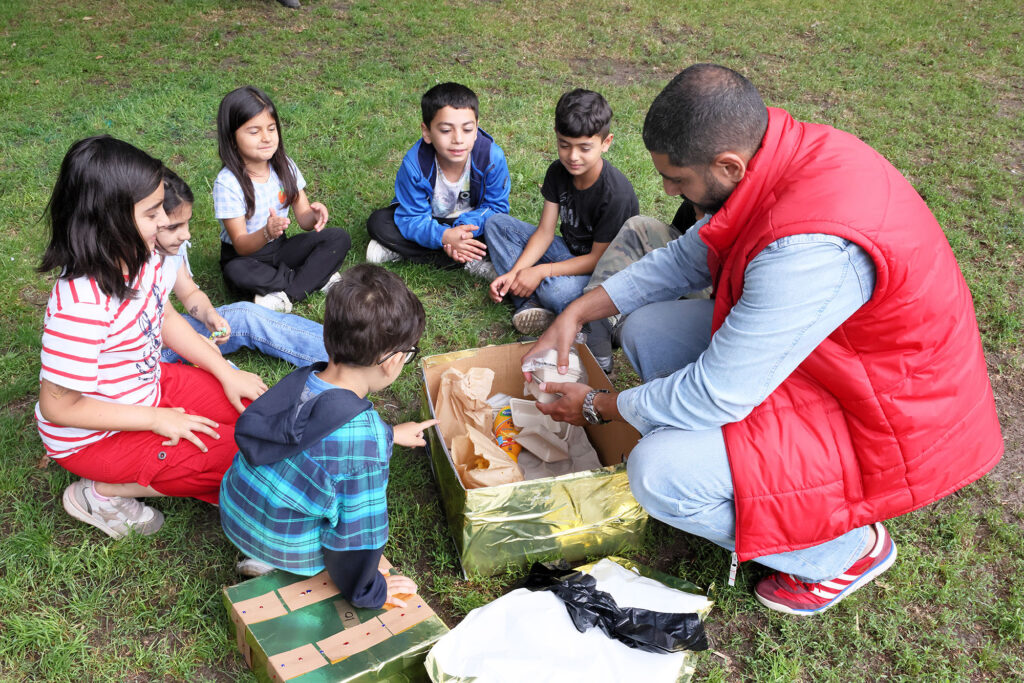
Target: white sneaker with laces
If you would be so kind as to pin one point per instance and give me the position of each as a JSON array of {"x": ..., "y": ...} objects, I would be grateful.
[
  {"x": 275, "y": 301},
  {"x": 378, "y": 253},
  {"x": 116, "y": 516}
]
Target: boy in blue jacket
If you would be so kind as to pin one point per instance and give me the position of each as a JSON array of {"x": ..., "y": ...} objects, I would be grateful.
[
  {"x": 450, "y": 182},
  {"x": 307, "y": 489}
]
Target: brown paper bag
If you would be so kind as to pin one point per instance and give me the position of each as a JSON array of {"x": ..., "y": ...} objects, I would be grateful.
[
  {"x": 462, "y": 401},
  {"x": 480, "y": 462}
]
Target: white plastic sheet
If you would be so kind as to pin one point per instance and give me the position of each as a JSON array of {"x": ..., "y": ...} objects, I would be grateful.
[{"x": 528, "y": 636}]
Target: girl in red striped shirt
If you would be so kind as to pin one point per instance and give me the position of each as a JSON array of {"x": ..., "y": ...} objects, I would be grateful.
[{"x": 108, "y": 410}]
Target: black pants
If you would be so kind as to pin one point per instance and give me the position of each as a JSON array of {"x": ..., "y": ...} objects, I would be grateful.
[
  {"x": 381, "y": 227},
  {"x": 294, "y": 265}
]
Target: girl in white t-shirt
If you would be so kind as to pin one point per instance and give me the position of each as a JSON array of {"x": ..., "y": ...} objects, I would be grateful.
[
  {"x": 108, "y": 410},
  {"x": 251, "y": 198}
]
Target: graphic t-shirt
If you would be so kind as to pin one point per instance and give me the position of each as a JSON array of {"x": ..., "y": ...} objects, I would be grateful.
[
  {"x": 106, "y": 348},
  {"x": 594, "y": 214},
  {"x": 229, "y": 201},
  {"x": 450, "y": 200}
]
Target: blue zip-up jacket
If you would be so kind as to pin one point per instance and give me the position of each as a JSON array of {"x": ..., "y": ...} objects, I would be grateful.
[{"x": 489, "y": 186}]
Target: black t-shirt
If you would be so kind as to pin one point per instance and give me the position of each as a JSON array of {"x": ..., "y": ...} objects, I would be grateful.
[{"x": 594, "y": 214}]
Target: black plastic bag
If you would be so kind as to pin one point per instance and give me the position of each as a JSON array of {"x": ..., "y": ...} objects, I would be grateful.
[{"x": 588, "y": 607}]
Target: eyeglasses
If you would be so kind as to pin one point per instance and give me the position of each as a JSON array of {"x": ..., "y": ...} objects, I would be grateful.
[{"x": 409, "y": 355}]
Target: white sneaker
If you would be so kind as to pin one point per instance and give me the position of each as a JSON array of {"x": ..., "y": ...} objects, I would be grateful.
[
  {"x": 116, "y": 516},
  {"x": 378, "y": 253},
  {"x": 251, "y": 567},
  {"x": 275, "y": 301},
  {"x": 482, "y": 268},
  {"x": 330, "y": 283}
]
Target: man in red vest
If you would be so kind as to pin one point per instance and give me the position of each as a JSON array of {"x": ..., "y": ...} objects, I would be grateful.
[{"x": 836, "y": 378}]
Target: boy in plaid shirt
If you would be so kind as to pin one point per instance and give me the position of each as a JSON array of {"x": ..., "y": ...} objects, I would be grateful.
[{"x": 307, "y": 489}]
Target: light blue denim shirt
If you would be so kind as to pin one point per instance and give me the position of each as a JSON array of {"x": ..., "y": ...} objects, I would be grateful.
[{"x": 796, "y": 292}]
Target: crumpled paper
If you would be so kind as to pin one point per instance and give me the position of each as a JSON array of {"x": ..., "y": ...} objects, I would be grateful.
[
  {"x": 480, "y": 462},
  {"x": 551, "y": 448},
  {"x": 465, "y": 420}
]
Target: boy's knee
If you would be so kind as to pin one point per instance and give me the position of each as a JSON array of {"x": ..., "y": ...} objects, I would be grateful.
[{"x": 497, "y": 223}]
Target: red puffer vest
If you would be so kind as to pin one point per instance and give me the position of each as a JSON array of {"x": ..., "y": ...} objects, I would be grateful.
[{"x": 894, "y": 409}]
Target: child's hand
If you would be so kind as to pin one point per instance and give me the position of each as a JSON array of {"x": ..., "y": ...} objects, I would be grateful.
[
  {"x": 460, "y": 246},
  {"x": 500, "y": 285},
  {"x": 410, "y": 434},
  {"x": 220, "y": 330},
  {"x": 526, "y": 281},
  {"x": 398, "y": 585},
  {"x": 176, "y": 424},
  {"x": 321, "y": 215},
  {"x": 276, "y": 225},
  {"x": 240, "y": 384}
]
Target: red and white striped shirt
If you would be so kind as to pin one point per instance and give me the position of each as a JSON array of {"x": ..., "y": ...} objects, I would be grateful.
[{"x": 106, "y": 348}]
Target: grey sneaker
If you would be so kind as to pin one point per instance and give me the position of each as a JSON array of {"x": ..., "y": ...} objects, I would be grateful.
[
  {"x": 330, "y": 283},
  {"x": 275, "y": 301},
  {"x": 482, "y": 269},
  {"x": 116, "y": 517},
  {"x": 378, "y": 253},
  {"x": 531, "y": 319},
  {"x": 251, "y": 567}
]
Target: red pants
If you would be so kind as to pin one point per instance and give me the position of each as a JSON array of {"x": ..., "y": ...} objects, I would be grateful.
[{"x": 182, "y": 470}]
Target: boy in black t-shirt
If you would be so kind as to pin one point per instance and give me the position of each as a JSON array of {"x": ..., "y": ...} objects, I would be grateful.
[{"x": 543, "y": 272}]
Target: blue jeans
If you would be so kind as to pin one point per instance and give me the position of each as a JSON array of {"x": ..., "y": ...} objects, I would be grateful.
[
  {"x": 682, "y": 477},
  {"x": 288, "y": 337},
  {"x": 506, "y": 239}
]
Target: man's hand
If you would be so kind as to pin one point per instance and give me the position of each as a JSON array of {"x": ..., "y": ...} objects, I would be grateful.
[
  {"x": 460, "y": 245},
  {"x": 569, "y": 406},
  {"x": 561, "y": 335},
  {"x": 410, "y": 434}
]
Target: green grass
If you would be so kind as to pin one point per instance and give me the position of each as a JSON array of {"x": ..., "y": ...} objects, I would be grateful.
[{"x": 935, "y": 87}]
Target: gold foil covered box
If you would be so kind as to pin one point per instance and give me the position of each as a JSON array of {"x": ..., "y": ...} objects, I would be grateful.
[{"x": 573, "y": 516}]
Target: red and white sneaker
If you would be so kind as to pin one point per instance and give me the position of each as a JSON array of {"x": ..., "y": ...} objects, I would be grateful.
[{"x": 785, "y": 593}]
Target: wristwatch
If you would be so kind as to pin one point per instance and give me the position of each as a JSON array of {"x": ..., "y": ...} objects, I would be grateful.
[{"x": 590, "y": 413}]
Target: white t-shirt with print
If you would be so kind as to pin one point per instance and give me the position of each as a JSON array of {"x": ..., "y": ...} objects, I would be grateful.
[
  {"x": 229, "y": 201},
  {"x": 450, "y": 200}
]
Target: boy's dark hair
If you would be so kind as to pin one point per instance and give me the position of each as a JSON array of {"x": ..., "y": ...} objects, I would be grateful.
[
  {"x": 705, "y": 110},
  {"x": 368, "y": 314},
  {"x": 91, "y": 213},
  {"x": 454, "y": 95},
  {"x": 237, "y": 107},
  {"x": 176, "y": 191},
  {"x": 582, "y": 114}
]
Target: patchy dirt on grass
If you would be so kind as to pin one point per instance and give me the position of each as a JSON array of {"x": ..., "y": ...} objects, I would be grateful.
[{"x": 1008, "y": 385}]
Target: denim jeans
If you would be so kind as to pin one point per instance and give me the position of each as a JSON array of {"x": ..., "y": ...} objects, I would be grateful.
[
  {"x": 682, "y": 477},
  {"x": 796, "y": 292},
  {"x": 506, "y": 239},
  {"x": 288, "y": 337}
]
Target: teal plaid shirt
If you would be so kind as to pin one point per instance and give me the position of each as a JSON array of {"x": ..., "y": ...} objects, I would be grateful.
[{"x": 332, "y": 496}]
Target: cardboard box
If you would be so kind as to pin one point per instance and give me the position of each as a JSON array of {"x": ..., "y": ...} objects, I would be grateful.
[
  {"x": 572, "y": 516},
  {"x": 297, "y": 628}
]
